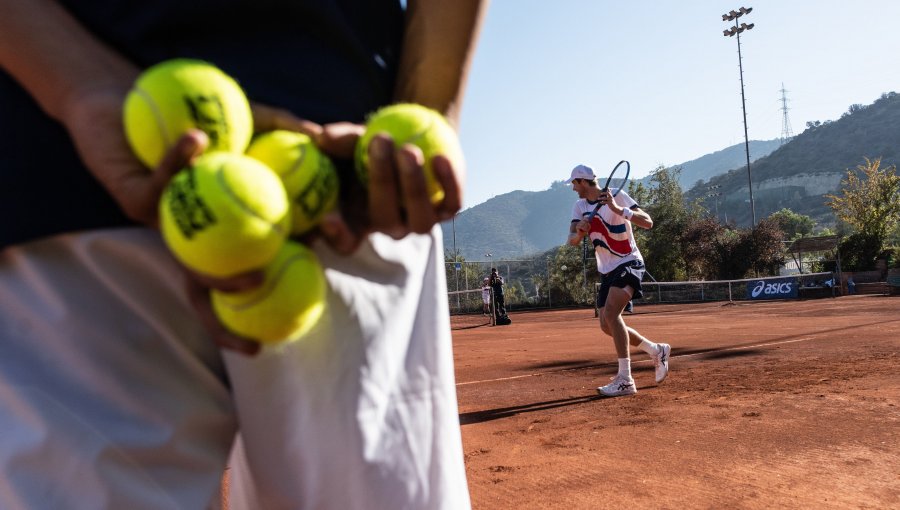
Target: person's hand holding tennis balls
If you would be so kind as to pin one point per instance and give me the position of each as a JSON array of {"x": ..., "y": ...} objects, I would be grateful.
[
  {"x": 415, "y": 125},
  {"x": 393, "y": 195},
  {"x": 227, "y": 214},
  {"x": 224, "y": 216}
]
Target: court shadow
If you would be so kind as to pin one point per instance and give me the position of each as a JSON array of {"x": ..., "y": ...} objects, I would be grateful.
[
  {"x": 716, "y": 354},
  {"x": 571, "y": 364},
  {"x": 505, "y": 412}
]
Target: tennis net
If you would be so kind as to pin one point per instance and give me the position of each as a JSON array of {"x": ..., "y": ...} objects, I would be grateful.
[{"x": 467, "y": 309}]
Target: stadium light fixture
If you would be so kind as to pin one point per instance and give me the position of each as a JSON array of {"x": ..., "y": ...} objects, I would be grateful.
[{"x": 736, "y": 31}]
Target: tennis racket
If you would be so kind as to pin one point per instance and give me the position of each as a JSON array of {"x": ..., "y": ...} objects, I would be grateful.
[{"x": 619, "y": 166}]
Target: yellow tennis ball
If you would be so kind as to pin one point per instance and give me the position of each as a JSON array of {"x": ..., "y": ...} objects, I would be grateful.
[
  {"x": 308, "y": 175},
  {"x": 417, "y": 125},
  {"x": 174, "y": 96},
  {"x": 284, "y": 308},
  {"x": 225, "y": 214}
]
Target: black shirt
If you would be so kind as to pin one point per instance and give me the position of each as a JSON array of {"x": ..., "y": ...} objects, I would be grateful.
[
  {"x": 497, "y": 284},
  {"x": 324, "y": 60}
]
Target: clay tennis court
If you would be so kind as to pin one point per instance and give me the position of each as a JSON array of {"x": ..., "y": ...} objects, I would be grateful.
[{"x": 790, "y": 404}]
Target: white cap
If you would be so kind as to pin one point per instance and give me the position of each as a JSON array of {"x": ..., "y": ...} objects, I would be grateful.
[{"x": 581, "y": 172}]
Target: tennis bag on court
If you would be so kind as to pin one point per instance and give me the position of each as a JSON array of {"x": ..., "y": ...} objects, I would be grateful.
[{"x": 504, "y": 320}]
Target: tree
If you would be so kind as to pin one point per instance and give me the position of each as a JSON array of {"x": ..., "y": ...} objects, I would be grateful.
[
  {"x": 766, "y": 251},
  {"x": 718, "y": 252},
  {"x": 705, "y": 244},
  {"x": 858, "y": 251},
  {"x": 793, "y": 225},
  {"x": 571, "y": 282},
  {"x": 662, "y": 244},
  {"x": 869, "y": 201}
]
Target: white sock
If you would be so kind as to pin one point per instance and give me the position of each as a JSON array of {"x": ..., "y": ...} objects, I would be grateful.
[
  {"x": 649, "y": 347},
  {"x": 625, "y": 368}
]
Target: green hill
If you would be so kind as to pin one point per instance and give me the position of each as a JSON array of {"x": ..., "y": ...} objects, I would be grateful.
[
  {"x": 795, "y": 175},
  {"x": 798, "y": 174},
  {"x": 513, "y": 224},
  {"x": 719, "y": 162}
]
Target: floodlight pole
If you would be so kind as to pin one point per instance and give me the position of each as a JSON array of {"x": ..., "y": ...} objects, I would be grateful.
[
  {"x": 746, "y": 136},
  {"x": 736, "y": 31},
  {"x": 456, "y": 259}
]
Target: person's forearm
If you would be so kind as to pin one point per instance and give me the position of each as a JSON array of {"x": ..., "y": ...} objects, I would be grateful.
[
  {"x": 438, "y": 47},
  {"x": 53, "y": 57},
  {"x": 641, "y": 219}
]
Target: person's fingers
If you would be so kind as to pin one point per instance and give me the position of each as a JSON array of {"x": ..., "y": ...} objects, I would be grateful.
[
  {"x": 186, "y": 148},
  {"x": 339, "y": 139},
  {"x": 335, "y": 231},
  {"x": 244, "y": 281},
  {"x": 420, "y": 214},
  {"x": 268, "y": 118},
  {"x": 448, "y": 178},
  {"x": 384, "y": 205},
  {"x": 199, "y": 298}
]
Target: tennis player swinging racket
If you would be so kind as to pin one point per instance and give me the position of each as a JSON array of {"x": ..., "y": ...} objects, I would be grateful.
[{"x": 620, "y": 264}]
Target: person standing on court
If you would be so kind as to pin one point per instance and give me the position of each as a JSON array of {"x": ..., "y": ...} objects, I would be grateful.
[
  {"x": 621, "y": 268},
  {"x": 499, "y": 301},
  {"x": 114, "y": 392},
  {"x": 486, "y": 295}
]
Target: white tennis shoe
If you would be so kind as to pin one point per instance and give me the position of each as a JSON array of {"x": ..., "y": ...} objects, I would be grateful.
[
  {"x": 661, "y": 362},
  {"x": 617, "y": 387}
]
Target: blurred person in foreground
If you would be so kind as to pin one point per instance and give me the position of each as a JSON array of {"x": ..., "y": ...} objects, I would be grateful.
[
  {"x": 621, "y": 268},
  {"x": 114, "y": 392}
]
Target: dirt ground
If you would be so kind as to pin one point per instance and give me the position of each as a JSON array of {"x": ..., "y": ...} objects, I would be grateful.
[{"x": 789, "y": 404}]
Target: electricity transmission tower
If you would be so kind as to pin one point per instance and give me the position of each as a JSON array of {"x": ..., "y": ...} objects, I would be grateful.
[{"x": 786, "y": 132}]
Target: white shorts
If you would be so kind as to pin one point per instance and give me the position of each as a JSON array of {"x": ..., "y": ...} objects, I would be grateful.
[{"x": 112, "y": 395}]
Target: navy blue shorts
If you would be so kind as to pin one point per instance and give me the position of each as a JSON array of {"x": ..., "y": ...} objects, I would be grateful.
[{"x": 628, "y": 274}]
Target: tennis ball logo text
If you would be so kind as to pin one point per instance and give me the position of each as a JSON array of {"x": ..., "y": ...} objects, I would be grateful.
[
  {"x": 312, "y": 199},
  {"x": 209, "y": 115},
  {"x": 189, "y": 211},
  {"x": 771, "y": 288}
]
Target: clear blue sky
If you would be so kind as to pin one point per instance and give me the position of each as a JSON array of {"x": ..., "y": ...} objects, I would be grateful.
[{"x": 559, "y": 83}]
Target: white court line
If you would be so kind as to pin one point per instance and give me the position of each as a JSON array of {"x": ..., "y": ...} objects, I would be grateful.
[{"x": 635, "y": 362}]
